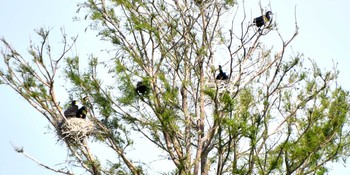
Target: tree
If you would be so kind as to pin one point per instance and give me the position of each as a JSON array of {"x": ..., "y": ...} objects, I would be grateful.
[{"x": 272, "y": 115}]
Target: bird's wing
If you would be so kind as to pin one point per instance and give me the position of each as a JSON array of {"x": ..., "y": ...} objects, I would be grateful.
[
  {"x": 258, "y": 19},
  {"x": 71, "y": 111}
]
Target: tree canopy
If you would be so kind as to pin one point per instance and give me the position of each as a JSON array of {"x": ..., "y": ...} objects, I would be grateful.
[{"x": 273, "y": 114}]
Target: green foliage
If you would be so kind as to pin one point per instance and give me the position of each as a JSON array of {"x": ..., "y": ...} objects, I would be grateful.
[
  {"x": 245, "y": 101},
  {"x": 72, "y": 70},
  {"x": 227, "y": 101},
  {"x": 128, "y": 90},
  {"x": 211, "y": 92}
]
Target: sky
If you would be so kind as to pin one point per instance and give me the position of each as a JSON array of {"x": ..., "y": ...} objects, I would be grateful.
[{"x": 323, "y": 36}]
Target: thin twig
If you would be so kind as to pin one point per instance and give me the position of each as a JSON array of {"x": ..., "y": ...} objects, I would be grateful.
[{"x": 21, "y": 150}]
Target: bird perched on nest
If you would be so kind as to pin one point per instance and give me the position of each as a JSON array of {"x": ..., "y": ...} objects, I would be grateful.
[
  {"x": 222, "y": 75},
  {"x": 81, "y": 113},
  {"x": 262, "y": 20},
  {"x": 72, "y": 110},
  {"x": 141, "y": 88}
]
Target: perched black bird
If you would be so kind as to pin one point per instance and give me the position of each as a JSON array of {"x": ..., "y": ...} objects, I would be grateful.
[
  {"x": 222, "y": 75},
  {"x": 198, "y": 2},
  {"x": 82, "y": 112},
  {"x": 262, "y": 20},
  {"x": 141, "y": 87},
  {"x": 71, "y": 111}
]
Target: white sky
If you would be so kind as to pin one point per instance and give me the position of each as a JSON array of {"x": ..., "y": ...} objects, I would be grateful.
[{"x": 323, "y": 35}]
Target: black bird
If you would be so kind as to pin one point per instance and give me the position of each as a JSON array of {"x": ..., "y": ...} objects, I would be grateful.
[
  {"x": 71, "y": 111},
  {"x": 82, "y": 112},
  {"x": 222, "y": 75},
  {"x": 141, "y": 87},
  {"x": 262, "y": 20},
  {"x": 198, "y": 2}
]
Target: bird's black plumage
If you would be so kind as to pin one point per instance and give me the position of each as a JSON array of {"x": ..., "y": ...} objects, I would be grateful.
[
  {"x": 262, "y": 20},
  {"x": 72, "y": 110},
  {"x": 222, "y": 75},
  {"x": 141, "y": 87},
  {"x": 199, "y": 2},
  {"x": 82, "y": 112}
]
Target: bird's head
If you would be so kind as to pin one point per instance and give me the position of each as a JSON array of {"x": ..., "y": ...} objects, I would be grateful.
[
  {"x": 268, "y": 14},
  {"x": 86, "y": 98},
  {"x": 74, "y": 103}
]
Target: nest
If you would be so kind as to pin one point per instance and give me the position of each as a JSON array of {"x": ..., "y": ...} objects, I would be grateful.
[
  {"x": 75, "y": 129},
  {"x": 222, "y": 85}
]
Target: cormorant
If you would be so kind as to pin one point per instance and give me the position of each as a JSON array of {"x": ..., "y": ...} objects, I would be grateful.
[
  {"x": 261, "y": 20},
  {"x": 141, "y": 87},
  {"x": 82, "y": 112},
  {"x": 71, "y": 111},
  {"x": 222, "y": 75},
  {"x": 198, "y": 2}
]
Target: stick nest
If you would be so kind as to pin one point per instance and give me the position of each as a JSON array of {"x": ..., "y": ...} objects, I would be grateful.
[{"x": 75, "y": 129}]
